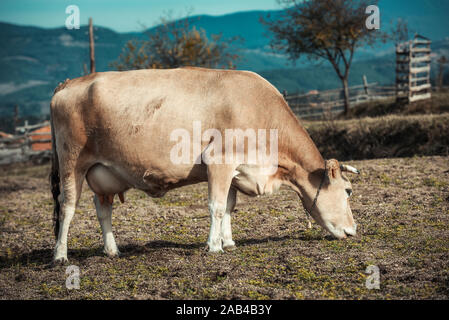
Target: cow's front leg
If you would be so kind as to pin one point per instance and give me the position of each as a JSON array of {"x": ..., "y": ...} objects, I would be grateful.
[
  {"x": 219, "y": 183},
  {"x": 226, "y": 230},
  {"x": 104, "y": 214},
  {"x": 217, "y": 211}
]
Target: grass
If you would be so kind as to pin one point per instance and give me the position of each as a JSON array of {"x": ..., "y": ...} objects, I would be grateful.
[
  {"x": 382, "y": 137},
  {"x": 386, "y": 129},
  {"x": 401, "y": 206},
  {"x": 439, "y": 103}
]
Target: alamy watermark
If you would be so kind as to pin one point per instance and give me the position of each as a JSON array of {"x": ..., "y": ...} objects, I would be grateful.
[
  {"x": 73, "y": 20},
  {"x": 240, "y": 146},
  {"x": 73, "y": 279},
  {"x": 373, "y": 20},
  {"x": 373, "y": 279}
]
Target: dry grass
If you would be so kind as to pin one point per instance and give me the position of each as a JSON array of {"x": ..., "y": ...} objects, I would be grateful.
[
  {"x": 439, "y": 103},
  {"x": 401, "y": 206},
  {"x": 386, "y": 129},
  {"x": 382, "y": 137}
]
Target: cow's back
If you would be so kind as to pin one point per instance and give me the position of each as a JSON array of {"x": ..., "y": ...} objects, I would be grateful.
[{"x": 128, "y": 117}]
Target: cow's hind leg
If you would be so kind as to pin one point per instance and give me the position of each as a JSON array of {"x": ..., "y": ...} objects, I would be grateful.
[
  {"x": 226, "y": 230},
  {"x": 71, "y": 191},
  {"x": 219, "y": 183},
  {"x": 104, "y": 214}
]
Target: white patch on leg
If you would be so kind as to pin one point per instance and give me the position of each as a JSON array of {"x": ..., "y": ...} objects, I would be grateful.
[
  {"x": 104, "y": 214},
  {"x": 226, "y": 230},
  {"x": 216, "y": 213},
  {"x": 110, "y": 248},
  {"x": 60, "y": 253}
]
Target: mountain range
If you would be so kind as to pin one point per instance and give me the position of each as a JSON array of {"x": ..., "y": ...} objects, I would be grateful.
[{"x": 34, "y": 60}]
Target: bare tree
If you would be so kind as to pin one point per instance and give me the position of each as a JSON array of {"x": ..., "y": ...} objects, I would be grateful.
[
  {"x": 324, "y": 29},
  {"x": 174, "y": 44},
  {"x": 400, "y": 32}
]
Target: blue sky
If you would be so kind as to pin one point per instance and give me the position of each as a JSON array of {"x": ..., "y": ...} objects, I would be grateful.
[{"x": 122, "y": 15}]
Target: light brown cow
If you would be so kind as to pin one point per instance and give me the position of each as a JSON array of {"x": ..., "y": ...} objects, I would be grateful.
[{"x": 114, "y": 129}]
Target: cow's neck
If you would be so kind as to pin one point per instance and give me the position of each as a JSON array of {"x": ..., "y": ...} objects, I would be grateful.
[
  {"x": 300, "y": 158},
  {"x": 299, "y": 150}
]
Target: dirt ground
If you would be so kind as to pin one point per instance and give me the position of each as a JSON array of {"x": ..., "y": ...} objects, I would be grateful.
[{"x": 400, "y": 205}]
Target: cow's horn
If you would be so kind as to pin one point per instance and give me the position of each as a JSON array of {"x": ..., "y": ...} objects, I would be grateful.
[{"x": 347, "y": 168}]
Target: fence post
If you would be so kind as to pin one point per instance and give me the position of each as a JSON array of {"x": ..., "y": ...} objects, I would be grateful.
[
  {"x": 365, "y": 84},
  {"x": 16, "y": 116},
  {"x": 284, "y": 93},
  {"x": 26, "y": 144},
  {"x": 441, "y": 62},
  {"x": 91, "y": 46}
]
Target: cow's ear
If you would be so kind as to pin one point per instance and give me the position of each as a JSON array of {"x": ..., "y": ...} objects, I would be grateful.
[{"x": 333, "y": 169}]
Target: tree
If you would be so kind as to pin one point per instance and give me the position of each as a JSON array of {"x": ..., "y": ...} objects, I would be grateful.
[
  {"x": 324, "y": 29},
  {"x": 400, "y": 32},
  {"x": 174, "y": 44}
]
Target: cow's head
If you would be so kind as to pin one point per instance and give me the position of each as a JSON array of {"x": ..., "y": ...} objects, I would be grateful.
[{"x": 331, "y": 208}]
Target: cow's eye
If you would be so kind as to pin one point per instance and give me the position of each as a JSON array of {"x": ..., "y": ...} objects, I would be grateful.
[{"x": 349, "y": 192}]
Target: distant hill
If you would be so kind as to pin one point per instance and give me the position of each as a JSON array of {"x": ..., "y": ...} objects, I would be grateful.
[{"x": 33, "y": 60}]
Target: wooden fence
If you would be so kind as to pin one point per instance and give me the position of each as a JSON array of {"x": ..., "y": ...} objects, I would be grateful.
[
  {"x": 19, "y": 147},
  {"x": 316, "y": 105}
]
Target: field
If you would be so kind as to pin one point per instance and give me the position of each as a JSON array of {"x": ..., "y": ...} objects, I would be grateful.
[{"x": 401, "y": 206}]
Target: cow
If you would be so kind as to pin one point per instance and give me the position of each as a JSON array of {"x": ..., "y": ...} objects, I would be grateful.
[{"x": 113, "y": 129}]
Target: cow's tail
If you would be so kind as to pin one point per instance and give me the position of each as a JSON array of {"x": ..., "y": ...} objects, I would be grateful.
[{"x": 54, "y": 180}]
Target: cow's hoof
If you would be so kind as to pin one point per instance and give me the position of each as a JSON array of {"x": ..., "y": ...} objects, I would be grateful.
[
  {"x": 59, "y": 261},
  {"x": 215, "y": 251},
  {"x": 112, "y": 254},
  {"x": 211, "y": 249},
  {"x": 231, "y": 247},
  {"x": 228, "y": 245}
]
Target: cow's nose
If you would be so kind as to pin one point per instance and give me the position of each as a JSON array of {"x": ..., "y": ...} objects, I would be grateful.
[
  {"x": 351, "y": 231},
  {"x": 350, "y": 234}
]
